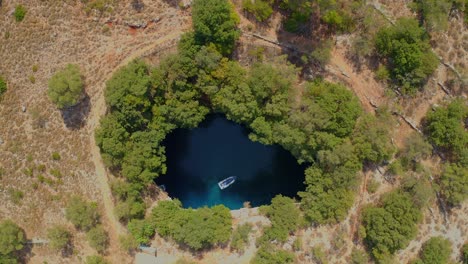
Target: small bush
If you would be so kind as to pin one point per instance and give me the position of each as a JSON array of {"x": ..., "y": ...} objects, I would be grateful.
[
  {"x": 56, "y": 156},
  {"x": 20, "y": 13},
  {"x": 372, "y": 186},
  {"x": 128, "y": 242},
  {"x": 16, "y": 195},
  {"x": 32, "y": 79},
  {"x": 359, "y": 257},
  {"x": 82, "y": 214},
  {"x": 240, "y": 237},
  {"x": 59, "y": 237},
  {"x": 98, "y": 238},
  {"x": 96, "y": 260},
  {"x": 3, "y": 86},
  {"x": 35, "y": 68},
  {"x": 261, "y": 9}
]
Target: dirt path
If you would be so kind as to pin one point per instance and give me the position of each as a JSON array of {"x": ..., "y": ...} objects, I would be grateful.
[
  {"x": 97, "y": 111},
  {"x": 363, "y": 84}
]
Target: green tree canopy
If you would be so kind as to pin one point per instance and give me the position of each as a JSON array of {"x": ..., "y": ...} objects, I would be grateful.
[
  {"x": 436, "y": 250},
  {"x": 284, "y": 216},
  {"x": 454, "y": 183},
  {"x": 408, "y": 52},
  {"x": 390, "y": 226},
  {"x": 214, "y": 21},
  {"x": 66, "y": 87},
  {"x": 59, "y": 237},
  {"x": 270, "y": 255},
  {"x": 98, "y": 238},
  {"x": 445, "y": 127},
  {"x": 83, "y": 214},
  {"x": 198, "y": 229},
  {"x": 12, "y": 237}
]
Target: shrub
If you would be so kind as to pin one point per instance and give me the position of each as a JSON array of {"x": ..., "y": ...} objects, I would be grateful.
[
  {"x": 322, "y": 53},
  {"x": 96, "y": 260},
  {"x": 20, "y": 13},
  {"x": 84, "y": 215},
  {"x": 128, "y": 242},
  {"x": 3, "y": 86},
  {"x": 240, "y": 237},
  {"x": 66, "y": 87},
  {"x": 269, "y": 255},
  {"x": 142, "y": 230},
  {"x": 56, "y": 156},
  {"x": 454, "y": 184},
  {"x": 390, "y": 226},
  {"x": 261, "y": 9},
  {"x": 98, "y": 238},
  {"x": 12, "y": 238},
  {"x": 284, "y": 216},
  {"x": 445, "y": 128},
  {"x": 435, "y": 251},
  {"x": 359, "y": 257},
  {"x": 464, "y": 253},
  {"x": 59, "y": 237},
  {"x": 318, "y": 255},
  {"x": 129, "y": 209},
  {"x": 408, "y": 52},
  {"x": 372, "y": 186},
  {"x": 434, "y": 12}
]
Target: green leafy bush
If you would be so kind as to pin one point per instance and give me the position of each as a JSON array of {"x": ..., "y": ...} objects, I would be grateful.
[
  {"x": 84, "y": 215},
  {"x": 446, "y": 129},
  {"x": 59, "y": 237},
  {"x": 96, "y": 260},
  {"x": 464, "y": 253},
  {"x": 20, "y": 13},
  {"x": 142, "y": 230},
  {"x": 3, "y": 86},
  {"x": 240, "y": 237},
  {"x": 261, "y": 9},
  {"x": 66, "y": 87},
  {"x": 98, "y": 238},
  {"x": 284, "y": 216},
  {"x": 12, "y": 238},
  {"x": 390, "y": 226},
  {"x": 436, "y": 250},
  {"x": 434, "y": 12},
  {"x": 268, "y": 255},
  {"x": 454, "y": 183},
  {"x": 408, "y": 52}
]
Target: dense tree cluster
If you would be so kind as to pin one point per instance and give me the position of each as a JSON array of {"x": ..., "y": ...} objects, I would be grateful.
[
  {"x": 198, "y": 229},
  {"x": 12, "y": 239},
  {"x": 391, "y": 225},
  {"x": 436, "y": 250},
  {"x": 323, "y": 128},
  {"x": 66, "y": 87},
  {"x": 406, "y": 49}
]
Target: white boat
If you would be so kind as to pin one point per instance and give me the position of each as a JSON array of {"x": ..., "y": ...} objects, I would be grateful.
[{"x": 226, "y": 182}]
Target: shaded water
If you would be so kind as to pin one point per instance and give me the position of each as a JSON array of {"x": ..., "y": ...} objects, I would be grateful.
[{"x": 198, "y": 159}]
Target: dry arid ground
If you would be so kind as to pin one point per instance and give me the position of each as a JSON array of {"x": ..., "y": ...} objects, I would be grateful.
[{"x": 55, "y": 33}]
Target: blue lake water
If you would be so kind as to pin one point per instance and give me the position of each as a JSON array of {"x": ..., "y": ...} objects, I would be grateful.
[{"x": 198, "y": 159}]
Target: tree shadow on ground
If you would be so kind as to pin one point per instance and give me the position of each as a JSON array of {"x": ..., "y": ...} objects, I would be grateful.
[
  {"x": 75, "y": 117},
  {"x": 25, "y": 254}
]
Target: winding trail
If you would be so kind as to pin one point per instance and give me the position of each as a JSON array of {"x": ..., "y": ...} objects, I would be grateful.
[{"x": 97, "y": 111}]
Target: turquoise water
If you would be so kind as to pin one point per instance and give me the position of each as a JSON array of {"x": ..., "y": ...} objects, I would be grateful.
[{"x": 198, "y": 159}]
